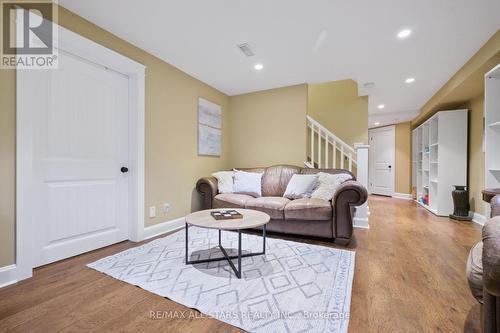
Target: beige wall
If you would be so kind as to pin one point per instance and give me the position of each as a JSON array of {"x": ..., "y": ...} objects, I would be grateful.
[
  {"x": 465, "y": 90},
  {"x": 172, "y": 163},
  {"x": 476, "y": 155},
  {"x": 338, "y": 107},
  {"x": 7, "y": 166},
  {"x": 403, "y": 158},
  {"x": 268, "y": 127}
]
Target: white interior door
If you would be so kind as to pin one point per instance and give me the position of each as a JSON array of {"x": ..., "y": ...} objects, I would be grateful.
[
  {"x": 80, "y": 144},
  {"x": 382, "y": 160}
]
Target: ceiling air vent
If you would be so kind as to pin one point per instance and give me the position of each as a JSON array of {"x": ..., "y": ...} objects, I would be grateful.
[{"x": 245, "y": 48}]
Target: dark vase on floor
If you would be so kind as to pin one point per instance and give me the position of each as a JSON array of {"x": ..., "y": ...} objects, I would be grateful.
[{"x": 461, "y": 204}]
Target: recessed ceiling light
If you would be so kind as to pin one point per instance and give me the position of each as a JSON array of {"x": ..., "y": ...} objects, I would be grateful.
[
  {"x": 376, "y": 124},
  {"x": 410, "y": 80},
  {"x": 404, "y": 33},
  {"x": 258, "y": 67},
  {"x": 381, "y": 106}
]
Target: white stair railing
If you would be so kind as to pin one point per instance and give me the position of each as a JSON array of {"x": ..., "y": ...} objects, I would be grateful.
[{"x": 323, "y": 141}]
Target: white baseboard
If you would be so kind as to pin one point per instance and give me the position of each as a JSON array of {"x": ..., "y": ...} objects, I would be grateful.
[
  {"x": 478, "y": 218},
  {"x": 164, "y": 227},
  {"x": 360, "y": 222},
  {"x": 8, "y": 275},
  {"x": 405, "y": 196}
]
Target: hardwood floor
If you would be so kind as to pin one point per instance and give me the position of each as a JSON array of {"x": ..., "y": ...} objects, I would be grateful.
[{"x": 409, "y": 277}]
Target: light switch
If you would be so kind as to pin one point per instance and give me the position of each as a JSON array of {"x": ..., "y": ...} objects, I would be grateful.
[{"x": 152, "y": 212}]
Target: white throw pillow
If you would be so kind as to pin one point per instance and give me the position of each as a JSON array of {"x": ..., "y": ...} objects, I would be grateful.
[
  {"x": 224, "y": 181},
  {"x": 301, "y": 186},
  {"x": 248, "y": 183},
  {"x": 328, "y": 185}
]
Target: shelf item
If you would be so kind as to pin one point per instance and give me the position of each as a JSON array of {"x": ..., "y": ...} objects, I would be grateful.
[{"x": 441, "y": 138}]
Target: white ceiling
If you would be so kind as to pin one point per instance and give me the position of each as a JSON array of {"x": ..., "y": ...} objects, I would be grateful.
[{"x": 311, "y": 41}]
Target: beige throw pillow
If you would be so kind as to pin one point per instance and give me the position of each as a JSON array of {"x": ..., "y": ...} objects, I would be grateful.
[
  {"x": 328, "y": 185},
  {"x": 224, "y": 181},
  {"x": 301, "y": 186}
]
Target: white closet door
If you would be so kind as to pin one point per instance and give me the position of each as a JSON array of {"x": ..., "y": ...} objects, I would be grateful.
[
  {"x": 382, "y": 158},
  {"x": 80, "y": 144}
]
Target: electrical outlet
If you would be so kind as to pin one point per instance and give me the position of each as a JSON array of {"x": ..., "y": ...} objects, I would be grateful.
[
  {"x": 166, "y": 208},
  {"x": 152, "y": 212}
]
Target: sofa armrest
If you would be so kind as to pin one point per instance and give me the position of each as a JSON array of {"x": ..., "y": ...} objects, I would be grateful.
[
  {"x": 207, "y": 187},
  {"x": 349, "y": 195},
  {"x": 491, "y": 256}
]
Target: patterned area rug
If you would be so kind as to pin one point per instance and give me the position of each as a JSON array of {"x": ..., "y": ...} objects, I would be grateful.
[{"x": 295, "y": 287}]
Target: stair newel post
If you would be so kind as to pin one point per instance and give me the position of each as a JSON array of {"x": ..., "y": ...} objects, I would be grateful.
[{"x": 362, "y": 212}]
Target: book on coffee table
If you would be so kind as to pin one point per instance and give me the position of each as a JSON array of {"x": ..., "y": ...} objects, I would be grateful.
[{"x": 226, "y": 214}]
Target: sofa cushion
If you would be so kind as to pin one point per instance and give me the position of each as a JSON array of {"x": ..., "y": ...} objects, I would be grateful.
[
  {"x": 474, "y": 271},
  {"x": 273, "y": 206},
  {"x": 231, "y": 200},
  {"x": 309, "y": 209}
]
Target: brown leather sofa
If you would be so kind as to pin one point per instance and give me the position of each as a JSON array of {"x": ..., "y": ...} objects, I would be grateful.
[
  {"x": 483, "y": 271},
  {"x": 309, "y": 217}
]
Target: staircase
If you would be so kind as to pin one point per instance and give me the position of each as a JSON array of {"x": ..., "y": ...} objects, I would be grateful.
[{"x": 329, "y": 151}]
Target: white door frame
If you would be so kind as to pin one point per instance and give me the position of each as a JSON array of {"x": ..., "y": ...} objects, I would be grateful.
[
  {"x": 372, "y": 157},
  {"x": 86, "y": 49}
]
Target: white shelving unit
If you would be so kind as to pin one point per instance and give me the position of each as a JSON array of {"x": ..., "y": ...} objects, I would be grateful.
[
  {"x": 439, "y": 159},
  {"x": 492, "y": 128}
]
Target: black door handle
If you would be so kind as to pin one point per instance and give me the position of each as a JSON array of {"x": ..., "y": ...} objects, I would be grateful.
[
  {"x": 390, "y": 166},
  {"x": 124, "y": 169}
]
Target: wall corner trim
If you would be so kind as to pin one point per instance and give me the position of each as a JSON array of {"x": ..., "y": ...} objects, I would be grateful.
[
  {"x": 405, "y": 196},
  {"x": 8, "y": 275}
]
